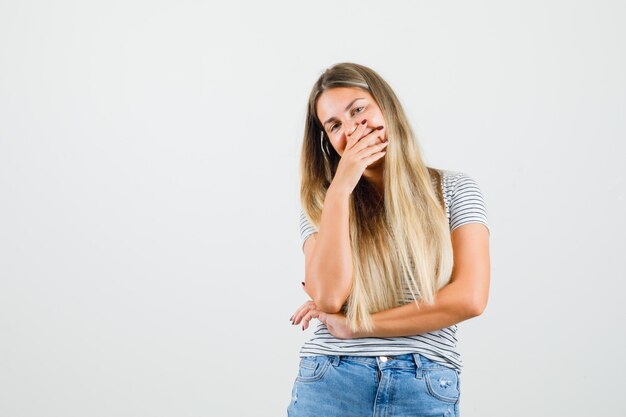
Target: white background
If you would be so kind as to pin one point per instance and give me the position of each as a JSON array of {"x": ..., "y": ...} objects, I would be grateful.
[{"x": 149, "y": 240}]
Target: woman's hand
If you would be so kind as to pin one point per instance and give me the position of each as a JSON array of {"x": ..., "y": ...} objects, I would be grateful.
[
  {"x": 302, "y": 314},
  {"x": 335, "y": 322},
  {"x": 361, "y": 150}
]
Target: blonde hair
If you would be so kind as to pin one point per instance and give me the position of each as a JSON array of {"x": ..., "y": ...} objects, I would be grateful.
[{"x": 400, "y": 241}]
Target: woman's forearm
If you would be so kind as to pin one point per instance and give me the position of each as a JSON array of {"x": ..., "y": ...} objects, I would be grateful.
[
  {"x": 452, "y": 305},
  {"x": 329, "y": 275}
]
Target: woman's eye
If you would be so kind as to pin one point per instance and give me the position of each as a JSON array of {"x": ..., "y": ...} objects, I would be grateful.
[{"x": 332, "y": 128}]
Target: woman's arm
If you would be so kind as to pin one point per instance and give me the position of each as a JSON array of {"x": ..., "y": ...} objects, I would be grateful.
[
  {"x": 328, "y": 257},
  {"x": 463, "y": 298}
]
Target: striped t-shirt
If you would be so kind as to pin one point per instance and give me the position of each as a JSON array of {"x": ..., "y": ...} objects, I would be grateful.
[{"x": 464, "y": 204}]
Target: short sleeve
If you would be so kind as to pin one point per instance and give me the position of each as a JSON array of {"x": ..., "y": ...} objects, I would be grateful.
[
  {"x": 306, "y": 228},
  {"x": 467, "y": 204}
]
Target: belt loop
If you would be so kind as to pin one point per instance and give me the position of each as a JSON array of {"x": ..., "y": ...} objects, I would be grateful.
[
  {"x": 418, "y": 366},
  {"x": 334, "y": 360}
]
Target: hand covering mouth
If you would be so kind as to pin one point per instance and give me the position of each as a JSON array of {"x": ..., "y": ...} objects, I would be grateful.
[{"x": 366, "y": 134}]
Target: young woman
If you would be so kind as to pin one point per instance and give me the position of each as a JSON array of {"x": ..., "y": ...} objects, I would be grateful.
[{"x": 396, "y": 254}]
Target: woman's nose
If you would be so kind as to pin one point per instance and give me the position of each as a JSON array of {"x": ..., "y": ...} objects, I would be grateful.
[{"x": 351, "y": 129}]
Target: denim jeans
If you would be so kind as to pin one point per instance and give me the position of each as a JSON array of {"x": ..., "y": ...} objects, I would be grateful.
[{"x": 374, "y": 386}]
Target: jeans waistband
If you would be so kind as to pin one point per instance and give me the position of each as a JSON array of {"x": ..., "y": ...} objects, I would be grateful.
[{"x": 407, "y": 360}]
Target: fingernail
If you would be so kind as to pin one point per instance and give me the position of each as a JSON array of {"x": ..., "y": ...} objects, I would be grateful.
[
  {"x": 303, "y": 284},
  {"x": 302, "y": 327},
  {"x": 364, "y": 121},
  {"x": 380, "y": 127},
  {"x": 291, "y": 318}
]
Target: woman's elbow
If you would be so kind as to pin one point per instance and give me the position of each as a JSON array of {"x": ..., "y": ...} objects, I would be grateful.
[
  {"x": 327, "y": 299},
  {"x": 477, "y": 306},
  {"x": 325, "y": 302},
  {"x": 328, "y": 304}
]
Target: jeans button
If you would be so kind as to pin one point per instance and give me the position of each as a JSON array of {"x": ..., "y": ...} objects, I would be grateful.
[{"x": 383, "y": 358}]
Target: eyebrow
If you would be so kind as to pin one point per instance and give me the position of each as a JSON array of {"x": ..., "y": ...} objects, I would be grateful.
[{"x": 346, "y": 109}]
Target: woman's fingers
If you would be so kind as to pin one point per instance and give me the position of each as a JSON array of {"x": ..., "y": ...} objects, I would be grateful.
[
  {"x": 297, "y": 316},
  {"x": 307, "y": 318},
  {"x": 374, "y": 153},
  {"x": 356, "y": 135},
  {"x": 302, "y": 311}
]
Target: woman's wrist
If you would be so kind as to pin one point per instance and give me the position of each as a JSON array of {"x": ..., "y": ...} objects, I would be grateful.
[
  {"x": 338, "y": 190},
  {"x": 364, "y": 333}
]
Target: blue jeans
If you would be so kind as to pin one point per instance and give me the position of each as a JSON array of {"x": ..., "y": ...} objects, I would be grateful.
[{"x": 374, "y": 386}]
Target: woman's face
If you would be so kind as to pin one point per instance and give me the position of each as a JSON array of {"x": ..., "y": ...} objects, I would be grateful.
[{"x": 341, "y": 109}]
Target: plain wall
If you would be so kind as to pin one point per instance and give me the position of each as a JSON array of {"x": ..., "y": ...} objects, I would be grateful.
[{"x": 149, "y": 195}]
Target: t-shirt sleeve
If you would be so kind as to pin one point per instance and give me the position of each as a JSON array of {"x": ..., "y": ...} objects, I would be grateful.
[
  {"x": 306, "y": 228},
  {"x": 467, "y": 203}
]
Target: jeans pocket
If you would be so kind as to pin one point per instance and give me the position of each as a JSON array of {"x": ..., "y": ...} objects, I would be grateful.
[
  {"x": 312, "y": 368},
  {"x": 442, "y": 383}
]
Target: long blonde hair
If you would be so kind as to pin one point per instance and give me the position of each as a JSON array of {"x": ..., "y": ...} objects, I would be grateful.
[{"x": 400, "y": 241}]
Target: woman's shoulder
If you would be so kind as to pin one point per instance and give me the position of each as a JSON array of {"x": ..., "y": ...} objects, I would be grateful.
[
  {"x": 446, "y": 179},
  {"x": 444, "y": 171},
  {"x": 463, "y": 197},
  {"x": 454, "y": 181},
  {"x": 454, "y": 184},
  {"x": 449, "y": 173}
]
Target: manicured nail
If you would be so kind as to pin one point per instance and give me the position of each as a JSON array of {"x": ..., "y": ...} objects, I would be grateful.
[
  {"x": 291, "y": 318},
  {"x": 303, "y": 284},
  {"x": 364, "y": 121},
  {"x": 380, "y": 127}
]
